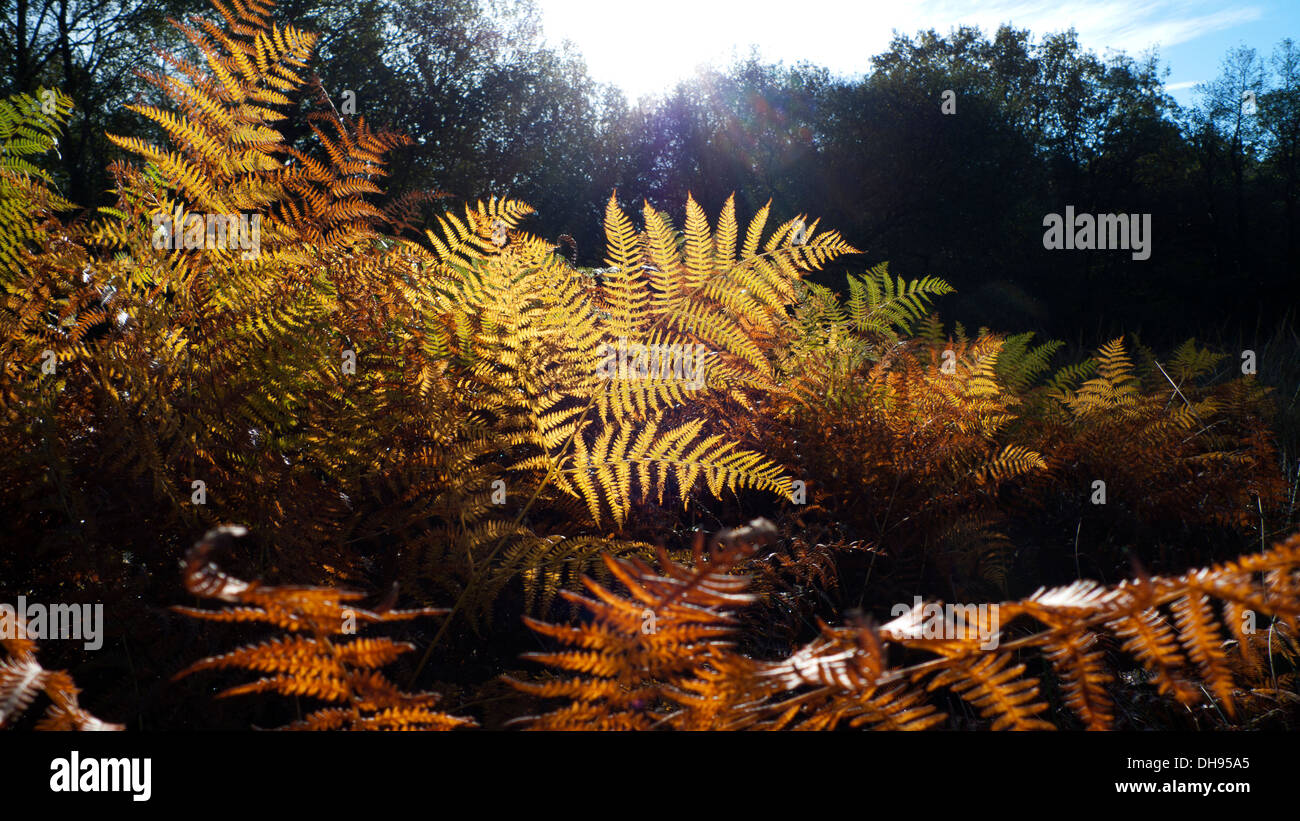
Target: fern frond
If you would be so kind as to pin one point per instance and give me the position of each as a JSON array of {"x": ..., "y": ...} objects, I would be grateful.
[
  {"x": 23, "y": 679},
  {"x": 641, "y": 655},
  {"x": 882, "y": 306},
  {"x": 321, "y": 657},
  {"x": 606, "y": 471}
]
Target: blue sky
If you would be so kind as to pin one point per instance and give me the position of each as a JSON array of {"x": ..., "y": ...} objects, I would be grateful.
[{"x": 644, "y": 52}]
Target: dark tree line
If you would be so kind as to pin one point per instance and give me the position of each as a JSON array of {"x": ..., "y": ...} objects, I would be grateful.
[{"x": 1038, "y": 124}]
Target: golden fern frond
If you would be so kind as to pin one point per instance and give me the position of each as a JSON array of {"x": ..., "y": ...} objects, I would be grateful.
[
  {"x": 725, "y": 237},
  {"x": 639, "y": 379},
  {"x": 321, "y": 657},
  {"x": 483, "y": 231},
  {"x": 627, "y": 300},
  {"x": 548, "y": 565},
  {"x": 626, "y": 460},
  {"x": 1013, "y": 461},
  {"x": 998, "y": 688},
  {"x": 640, "y": 656},
  {"x": 695, "y": 285},
  {"x": 698, "y": 257},
  {"x": 1081, "y": 667},
  {"x": 1114, "y": 390},
  {"x": 1204, "y": 642}
]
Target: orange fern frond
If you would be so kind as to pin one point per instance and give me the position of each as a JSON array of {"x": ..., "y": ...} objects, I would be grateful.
[{"x": 321, "y": 658}]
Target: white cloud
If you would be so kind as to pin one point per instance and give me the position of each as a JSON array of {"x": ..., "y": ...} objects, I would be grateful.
[{"x": 1118, "y": 24}]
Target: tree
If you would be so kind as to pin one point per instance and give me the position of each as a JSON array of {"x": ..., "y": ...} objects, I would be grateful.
[
  {"x": 90, "y": 50},
  {"x": 1279, "y": 115},
  {"x": 1227, "y": 132}
]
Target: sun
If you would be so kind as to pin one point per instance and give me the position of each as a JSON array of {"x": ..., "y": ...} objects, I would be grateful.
[{"x": 646, "y": 49}]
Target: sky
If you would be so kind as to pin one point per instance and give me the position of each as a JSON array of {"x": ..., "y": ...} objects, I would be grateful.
[{"x": 647, "y": 47}]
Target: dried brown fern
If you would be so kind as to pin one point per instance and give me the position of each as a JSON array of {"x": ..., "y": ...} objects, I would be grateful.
[
  {"x": 22, "y": 679},
  {"x": 948, "y": 450},
  {"x": 1178, "y": 449},
  {"x": 849, "y": 676},
  {"x": 1165, "y": 623},
  {"x": 320, "y": 657}
]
